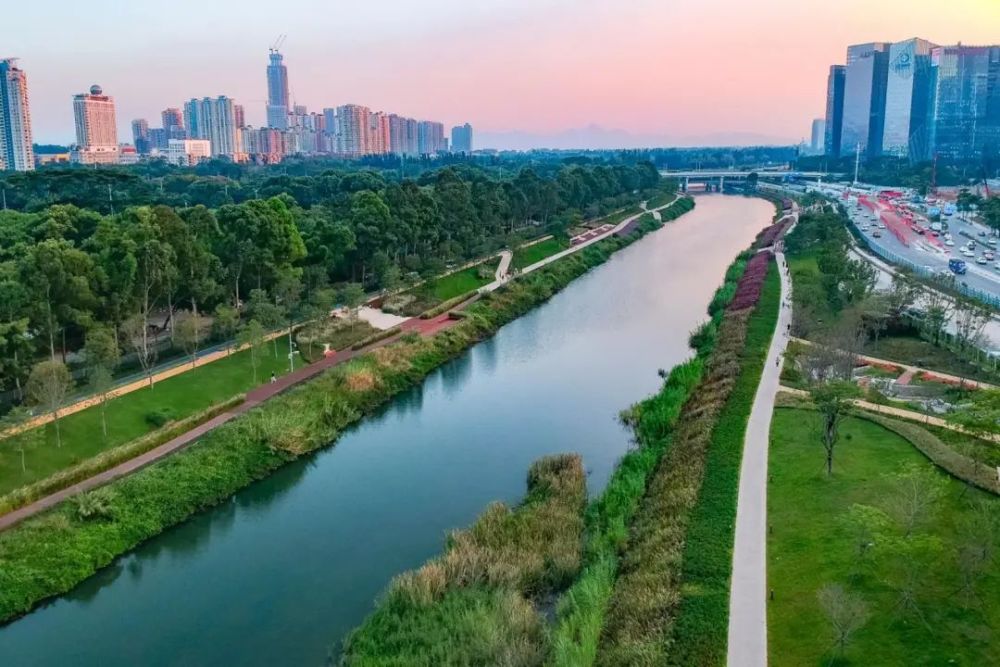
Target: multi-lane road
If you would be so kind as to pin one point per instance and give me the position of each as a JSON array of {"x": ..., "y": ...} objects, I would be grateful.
[{"x": 930, "y": 253}]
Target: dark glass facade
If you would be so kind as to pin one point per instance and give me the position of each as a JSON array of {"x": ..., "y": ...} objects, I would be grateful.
[
  {"x": 966, "y": 101},
  {"x": 864, "y": 98},
  {"x": 834, "y": 109}
]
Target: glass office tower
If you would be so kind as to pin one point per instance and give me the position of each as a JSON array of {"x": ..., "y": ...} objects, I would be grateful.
[
  {"x": 864, "y": 98},
  {"x": 908, "y": 100},
  {"x": 834, "y": 110},
  {"x": 966, "y": 107}
]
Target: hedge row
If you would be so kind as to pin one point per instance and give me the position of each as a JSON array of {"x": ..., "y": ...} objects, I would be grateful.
[
  {"x": 700, "y": 630},
  {"x": 445, "y": 306},
  {"x": 108, "y": 459},
  {"x": 492, "y": 572},
  {"x": 644, "y": 602},
  {"x": 51, "y": 553},
  {"x": 376, "y": 337}
]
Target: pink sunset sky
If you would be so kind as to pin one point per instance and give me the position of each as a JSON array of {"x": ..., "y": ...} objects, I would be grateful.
[{"x": 521, "y": 72}]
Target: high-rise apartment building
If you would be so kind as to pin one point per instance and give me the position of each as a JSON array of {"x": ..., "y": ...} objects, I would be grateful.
[
  {"x": 461, "y": 139},
  {"x": 140, "y": 136},
  {"x": 966, "y": 101},
  {"x": 430, "y": 138},
  {"x": 908, "y": 100},
  {"x": 16, "y": 153},
  {"x": 239, "y": 115},
  {"x": 277, "y": 91},
  {"x": 379, "y": 140},
  {"x": 352, "y": 129},
  {"x": 173, "y": 123},
  {"x": 96, "y": 128},
  {"x": 864, "y": 98},
  {"x": 214, "y": 119},
  {"x": 412, "y": 143},
  {"x": 834, "y": 110}
]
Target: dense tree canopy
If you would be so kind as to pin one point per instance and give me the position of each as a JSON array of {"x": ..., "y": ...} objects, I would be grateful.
[{"x": 72, "y": 266}]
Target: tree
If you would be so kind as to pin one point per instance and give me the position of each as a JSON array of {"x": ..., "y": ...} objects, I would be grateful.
[
  {"x": 137, "y": 338},
  {"x": 833, "y": 400},
  {"x": 977, "y": 547},
  {"x": 845, "y": 612},
  {"x": 12, "y": 428},
  {"x": 970, "y": 317},
  {"x": 48, "y": 386},
  {"x": 937, "y": 312},
  {"x": 979, "y": 416},
  {"x": 226, "y": 320},
  {"x": 102, "y": 355},
  {"x": 266, "y": 312},
  {"x": 352, "y": 295},
  {"x": 189, "y": 332},
  {"x": 251, "y": 336},
  {"x": 915, "y": 494},
  {"x": 901, "y": 296}
]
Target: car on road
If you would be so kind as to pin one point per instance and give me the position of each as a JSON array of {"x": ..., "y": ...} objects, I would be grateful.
[
  {"x": 956, "y": 266},
  {"x": 988, "y": 255},
  {"x": 997, "y": 266},
  {"x": 877, "y": 234},
  {"x": 968, "y": 253},
  {"x": 881, "y": 225},
  {"x": 982, "y": 233},
  {"x": 980, "y": 260},
  {"x": 949, "y": 242}
]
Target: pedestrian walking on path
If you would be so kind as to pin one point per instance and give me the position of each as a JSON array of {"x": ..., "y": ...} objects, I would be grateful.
[{"x": 274, "y": 378}]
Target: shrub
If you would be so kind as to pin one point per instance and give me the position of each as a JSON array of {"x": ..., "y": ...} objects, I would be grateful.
[
  {"x": 95, "y": 505},
  {"x": 376, "y": 337},
  {"x": 160, "y": 416}
]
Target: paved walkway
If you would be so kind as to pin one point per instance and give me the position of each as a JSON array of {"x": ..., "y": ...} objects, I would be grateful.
[
  {"x": 747, "y": 645},
  {"x": 748, "y": 592},
  {"x": 254, "y": 398},
  {"x": 503, "y": 269}
]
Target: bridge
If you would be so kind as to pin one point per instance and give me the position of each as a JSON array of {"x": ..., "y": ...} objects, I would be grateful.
[{"x": 716, "y": 179}]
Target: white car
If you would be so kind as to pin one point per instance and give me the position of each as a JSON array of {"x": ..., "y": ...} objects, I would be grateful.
[
  {"x": 968, "y": 253},
  {"x": 997, "y": 266},
  {"x": 949, "y": 242},
  {"x": 881, "y": 225},
  {"x": 980, "y": 260}
]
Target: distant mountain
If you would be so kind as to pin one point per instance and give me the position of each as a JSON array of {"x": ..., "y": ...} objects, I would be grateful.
[{"x": 597, "y": 137}]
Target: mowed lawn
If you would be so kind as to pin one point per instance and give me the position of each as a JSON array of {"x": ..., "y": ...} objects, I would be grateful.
[
  {"x": 811, "y": 544},
  {"x": 461, "y": 282},
  {"x": 182, "y": 395},
  {"x": 535, "y": 253}
]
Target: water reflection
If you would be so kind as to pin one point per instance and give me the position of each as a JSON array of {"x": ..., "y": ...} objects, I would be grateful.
[{"x": 279, "y": 574}]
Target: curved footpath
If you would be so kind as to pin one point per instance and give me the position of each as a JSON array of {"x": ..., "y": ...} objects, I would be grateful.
[
  {"x": 747, "y": 646},
  {"x": 266, "y": 391}
]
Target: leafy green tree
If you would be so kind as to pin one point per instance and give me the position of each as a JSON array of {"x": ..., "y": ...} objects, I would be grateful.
[
  {"x": 251, "y": 336},
  {"x": 225, "y": 323},
  {"x": 190, "y": 332},
  {"x": 352, "y": 295},
  {"x": 48, "y": 386},
  {"x": 833, "y": 401},
  {"x": 12, "y": 429}
]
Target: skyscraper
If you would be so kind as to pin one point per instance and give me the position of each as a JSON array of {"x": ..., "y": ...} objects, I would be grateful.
[
  {"x": 461, "y": 139},
  {"x": 430, "y": 137},
  {"x": 96, "y": 127},
  {"x": 140, "y": 136},
  {"x": 864, "y": 98},
  {"x": 908, "y": 100},
  {"x": 834, "y": 109},
  {"x": 966, "y": 101},
  {"x": 818, "y": 136},
  {"x": 379, "y": 136},
  {"x": 214, "y": 119},
  {"x": 173, "y": 124},
  {"x": 239, "y": 115},
  {"x": 16, "y": 153},
  {"x": 352, "y": 129},
  {"x": 277, "y": 91}
]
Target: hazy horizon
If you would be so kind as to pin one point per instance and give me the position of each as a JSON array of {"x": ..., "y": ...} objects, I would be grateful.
[{"x": 524, "y": 74}]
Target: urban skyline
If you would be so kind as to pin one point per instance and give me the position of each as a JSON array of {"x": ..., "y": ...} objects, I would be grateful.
[{"x": 419, "y": 61}]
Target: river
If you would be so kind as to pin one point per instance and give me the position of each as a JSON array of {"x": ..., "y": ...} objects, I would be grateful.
[{"x": 278, "y": 575}]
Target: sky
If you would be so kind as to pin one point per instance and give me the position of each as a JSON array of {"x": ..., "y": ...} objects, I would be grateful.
[{"x": 587, "y": 73}]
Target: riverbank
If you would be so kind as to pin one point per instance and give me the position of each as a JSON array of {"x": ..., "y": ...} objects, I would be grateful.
[{"x": 49, "y": 554}]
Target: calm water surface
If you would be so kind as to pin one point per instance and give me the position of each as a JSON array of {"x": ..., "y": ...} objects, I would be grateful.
[{"x": 278, "y": 575}]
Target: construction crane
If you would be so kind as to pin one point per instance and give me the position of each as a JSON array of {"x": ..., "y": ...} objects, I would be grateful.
[{"x": 277, "y": 43}]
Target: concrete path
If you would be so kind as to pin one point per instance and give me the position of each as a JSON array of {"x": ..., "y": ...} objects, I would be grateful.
[
  {"x": 503, "y": 269},
  {"x": 748, "y": 591}
]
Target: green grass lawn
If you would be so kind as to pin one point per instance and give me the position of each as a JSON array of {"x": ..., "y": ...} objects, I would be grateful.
[
  {"x": 659, "y": 200},
  {"x": 811, "y": 545},
  {"x": 183, "y": 395},
  {"x": 535, "y": 253},
  {"x": 462, "y": 282},
  {"x": 919, "y": 352}
]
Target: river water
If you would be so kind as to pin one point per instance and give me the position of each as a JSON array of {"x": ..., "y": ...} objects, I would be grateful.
[{"x": 281, "y": 573}]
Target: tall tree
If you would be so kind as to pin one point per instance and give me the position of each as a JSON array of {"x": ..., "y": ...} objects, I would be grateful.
[{"x": 48, "y": 386}]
